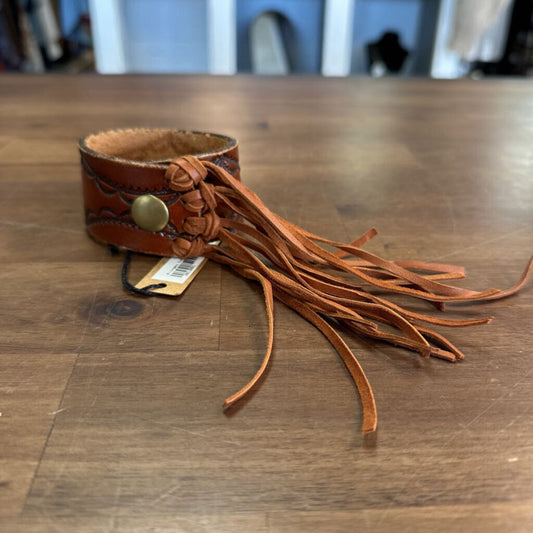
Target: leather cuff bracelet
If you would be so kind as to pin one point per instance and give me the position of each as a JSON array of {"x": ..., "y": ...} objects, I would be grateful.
[
  {"x": 170, "y": 192},
  {"x": 133, "y": 198}
]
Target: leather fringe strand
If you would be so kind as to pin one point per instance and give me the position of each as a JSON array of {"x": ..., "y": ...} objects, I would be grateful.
[{"x": 325, "y": 288}]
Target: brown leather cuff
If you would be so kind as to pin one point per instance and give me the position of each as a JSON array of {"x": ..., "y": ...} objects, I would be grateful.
[{"x": 127, "y": 170}]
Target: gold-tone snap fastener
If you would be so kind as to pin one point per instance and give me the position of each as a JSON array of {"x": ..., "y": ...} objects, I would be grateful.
[{"x": 149, "y": 213}]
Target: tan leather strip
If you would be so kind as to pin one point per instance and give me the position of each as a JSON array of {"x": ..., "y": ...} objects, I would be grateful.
[
  {"x": 370, "y": 416},
  {"x": 269, "y": 304}
]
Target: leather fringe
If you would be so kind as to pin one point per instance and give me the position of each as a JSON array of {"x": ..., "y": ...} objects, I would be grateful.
[{"x": 325, "y": 288}]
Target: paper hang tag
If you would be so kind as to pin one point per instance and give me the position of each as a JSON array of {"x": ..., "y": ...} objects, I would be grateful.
[{"x": 177, "y": 274}]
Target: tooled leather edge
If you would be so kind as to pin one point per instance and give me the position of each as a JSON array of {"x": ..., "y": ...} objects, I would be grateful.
[{"x": 108, "y": 195}]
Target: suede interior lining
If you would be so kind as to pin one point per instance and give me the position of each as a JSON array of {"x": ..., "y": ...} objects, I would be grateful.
[{"x": 155, "y": 145}]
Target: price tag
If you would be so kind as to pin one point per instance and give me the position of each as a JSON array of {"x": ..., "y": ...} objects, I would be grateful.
[{"x": 175, "y": 273}]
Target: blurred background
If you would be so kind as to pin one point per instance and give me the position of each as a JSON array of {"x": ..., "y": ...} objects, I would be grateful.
[{"x": 429, "y": 38}]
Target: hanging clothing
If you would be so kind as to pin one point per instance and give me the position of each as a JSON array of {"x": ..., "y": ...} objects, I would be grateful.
[{"x": 479, "y": 31}]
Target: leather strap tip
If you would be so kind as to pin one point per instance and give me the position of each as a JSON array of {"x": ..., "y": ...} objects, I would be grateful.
[
  {"x": 369, "y": 428},
  {"x": 228, "y": 403}
]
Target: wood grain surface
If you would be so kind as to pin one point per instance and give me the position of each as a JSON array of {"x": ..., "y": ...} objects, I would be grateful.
[{"x": 110, "y": 404}]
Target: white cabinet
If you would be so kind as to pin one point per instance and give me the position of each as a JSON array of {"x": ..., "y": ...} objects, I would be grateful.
[
  {"x": 158, "y": 36},
  {"x": 211, "y": 36}
]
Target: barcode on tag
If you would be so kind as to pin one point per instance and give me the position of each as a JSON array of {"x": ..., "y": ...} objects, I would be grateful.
[
  {"x": 176, "y": 273},
  {"x": 178, "y": 270}
]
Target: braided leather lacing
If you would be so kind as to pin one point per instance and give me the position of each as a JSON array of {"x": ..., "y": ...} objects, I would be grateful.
[{"x": 289, "y": 264}]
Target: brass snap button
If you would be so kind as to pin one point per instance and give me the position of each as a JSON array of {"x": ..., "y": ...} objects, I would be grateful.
[{"x": 149, "y": 212}]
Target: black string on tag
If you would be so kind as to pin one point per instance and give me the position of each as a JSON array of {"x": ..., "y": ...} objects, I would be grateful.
[{"x": 146, "y": 291}]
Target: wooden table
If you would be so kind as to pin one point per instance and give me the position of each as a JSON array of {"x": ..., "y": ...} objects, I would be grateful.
[{"x": 111, "y": 403}]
